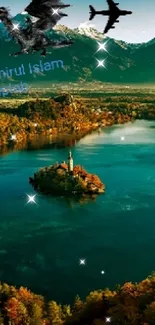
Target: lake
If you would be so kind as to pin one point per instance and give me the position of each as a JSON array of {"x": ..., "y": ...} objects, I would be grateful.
[{"x": 41, "y": 244}]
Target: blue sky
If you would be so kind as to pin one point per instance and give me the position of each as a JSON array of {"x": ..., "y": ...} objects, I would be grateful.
[{"x": 136, "y": 28}]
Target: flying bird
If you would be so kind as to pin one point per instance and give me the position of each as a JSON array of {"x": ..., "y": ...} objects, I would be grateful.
[
  {"x": 43, "y": 15},
  {"x": 114, "y": 13}
]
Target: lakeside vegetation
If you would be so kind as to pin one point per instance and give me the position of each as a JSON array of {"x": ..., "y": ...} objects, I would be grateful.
[
  {"x": 130, "y": 304},
  {"x": 53, "y": 117},
  {"x": 69, "y": 116}
]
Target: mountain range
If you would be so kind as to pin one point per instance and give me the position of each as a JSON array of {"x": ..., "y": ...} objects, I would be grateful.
[{"x": 124, "y": 62}]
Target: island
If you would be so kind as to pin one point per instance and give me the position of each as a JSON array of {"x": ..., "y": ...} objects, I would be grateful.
[{"x": 66, "y": 179}]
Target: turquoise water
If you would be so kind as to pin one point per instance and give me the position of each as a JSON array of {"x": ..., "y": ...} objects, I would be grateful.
[{"x": 41, "y": 244}]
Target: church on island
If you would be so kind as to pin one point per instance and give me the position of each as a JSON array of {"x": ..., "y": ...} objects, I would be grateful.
[
  {"x": 66, "y": 179},
  {"x": 67, "y": 166}
]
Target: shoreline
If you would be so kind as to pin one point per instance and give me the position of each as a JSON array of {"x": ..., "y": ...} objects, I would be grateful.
[
  {"x": 56, "y": 118},
  {"x": 59, "y": 140},
  {"x": 65, "y": 118}
]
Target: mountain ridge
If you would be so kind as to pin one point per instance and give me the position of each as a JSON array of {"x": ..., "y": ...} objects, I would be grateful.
[{"x": 125, "y": 62}]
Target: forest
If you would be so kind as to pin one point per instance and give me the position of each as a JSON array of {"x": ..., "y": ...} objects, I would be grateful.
[
  {"x": 21, "y": 121},
  {"x": 130, "y": 304},
  {"x": 61, "y": 115}
]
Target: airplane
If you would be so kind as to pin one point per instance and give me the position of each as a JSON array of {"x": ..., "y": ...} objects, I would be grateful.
[{"x": 114, "y": 12}]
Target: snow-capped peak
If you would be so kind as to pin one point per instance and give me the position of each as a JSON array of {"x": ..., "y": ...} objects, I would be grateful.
[{"x": 88, "y": 29}]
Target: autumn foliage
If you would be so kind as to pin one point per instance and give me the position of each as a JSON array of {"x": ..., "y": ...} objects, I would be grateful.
[
  {"x": 131, "y": 304},
  {"x": 56, "y": 179},
  {"x": 67, "y": 116}
]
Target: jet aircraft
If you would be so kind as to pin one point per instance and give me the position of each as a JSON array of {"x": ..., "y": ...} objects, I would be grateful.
[{"x": 114, "y": 13}]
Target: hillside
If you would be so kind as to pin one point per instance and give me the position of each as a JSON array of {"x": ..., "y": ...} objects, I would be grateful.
[
  {"x": 57, "y": 116},
  {"x": 125, "y": 62}
]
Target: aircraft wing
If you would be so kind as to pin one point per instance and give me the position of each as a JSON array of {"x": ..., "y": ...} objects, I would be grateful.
[
  {"x": 111, "y": 21},
  {"x": 112, "y": 5},
  {"x": 42, "y": 9},
  {"x": 38, "y": 8}
]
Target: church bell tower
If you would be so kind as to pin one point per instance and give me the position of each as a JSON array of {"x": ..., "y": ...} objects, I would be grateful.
[{"x": 70, "y": 162}]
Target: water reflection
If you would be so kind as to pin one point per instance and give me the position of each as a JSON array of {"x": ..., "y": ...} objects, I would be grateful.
[
  {"x": 39, "y": 142},
  {"x": 71, "y": 200}
]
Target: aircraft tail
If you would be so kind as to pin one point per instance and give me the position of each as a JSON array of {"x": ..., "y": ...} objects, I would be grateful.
[{"x": 92, "y": 12}]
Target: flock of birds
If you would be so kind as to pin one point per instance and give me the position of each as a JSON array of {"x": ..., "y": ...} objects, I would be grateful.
[{"x": 43, "y": 15}]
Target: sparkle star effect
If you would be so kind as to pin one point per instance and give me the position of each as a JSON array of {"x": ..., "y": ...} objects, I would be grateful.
[
  {"x": 108, "y": 319},
  {"x": 101, "y": 63},
  {"x": 82, "y": 261},
  {"x": 13, "y": 137},
  {"x": 15, "y": 26},
  {"x": 102, "y": 47},
  {"x": 55, "y": 11},
  {"x": 31, "y": 199}
]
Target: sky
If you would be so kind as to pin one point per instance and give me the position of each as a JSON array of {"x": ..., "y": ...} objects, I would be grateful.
[{"x": 136, "y": 28}]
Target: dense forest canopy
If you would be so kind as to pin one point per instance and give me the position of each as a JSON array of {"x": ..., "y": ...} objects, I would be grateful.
[{"x": 131, "y": 304}]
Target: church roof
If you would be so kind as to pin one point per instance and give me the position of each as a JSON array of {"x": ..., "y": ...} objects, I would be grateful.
[{"x": 63, "y": 165}]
